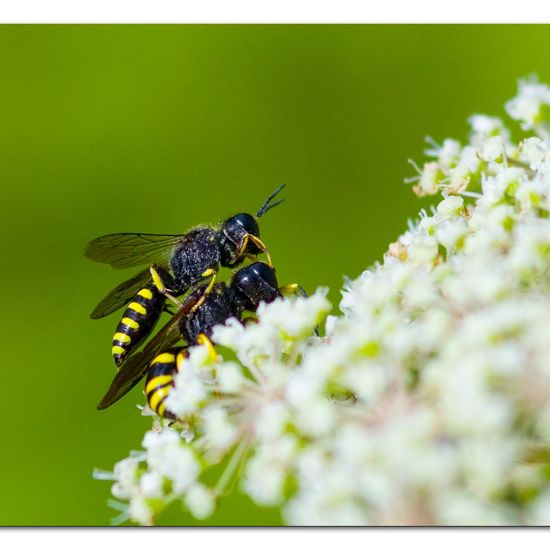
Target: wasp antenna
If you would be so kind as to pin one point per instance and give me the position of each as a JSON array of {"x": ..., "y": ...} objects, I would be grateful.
[{"x": 267, "y": 205}]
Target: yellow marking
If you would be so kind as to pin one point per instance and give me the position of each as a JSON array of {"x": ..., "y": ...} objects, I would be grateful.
[
  {"x": 137, "y": 308},
  {"x": 157, "y": 281},
  {"x": 157, "y": 396},
  {"x": 117, "y": 350},
  {"x": 145, "y": 293},
  {"x": 158, "y": 381},
  {"x": 164, "y": 358},
  {"x": 289, "y": 289},
  {"x": 203, "y": 340},
  {"x": 207, "y": 290},
  {"x": 162, "y": 409},
  {"x": 130, "y": 323},
  {"x": 243, "y": 245},
  {"x": 121, "y": 337},
  {"x": 262, "y": 247},
  {"x": 182, "y": 355}
]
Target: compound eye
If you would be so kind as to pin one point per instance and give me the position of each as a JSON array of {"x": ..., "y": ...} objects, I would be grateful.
[{"x": 248, "y": 222}]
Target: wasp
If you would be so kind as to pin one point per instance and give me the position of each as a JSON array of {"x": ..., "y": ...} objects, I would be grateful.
[
  {"x": 194, "y": 323},
  {"x": 190, "y": 257}
]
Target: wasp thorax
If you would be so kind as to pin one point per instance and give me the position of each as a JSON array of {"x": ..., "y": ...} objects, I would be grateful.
[{"x": 256, "y": 283}]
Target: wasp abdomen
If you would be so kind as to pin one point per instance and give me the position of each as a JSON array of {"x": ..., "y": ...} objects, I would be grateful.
[
  {"x": 138, "y": 320},
  {"x": 160, "y": 380}
]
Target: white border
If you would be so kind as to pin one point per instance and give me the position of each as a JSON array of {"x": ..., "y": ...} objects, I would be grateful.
[
  {"x": 252, "y": 539},
  {"x": 274, "y": 11}
]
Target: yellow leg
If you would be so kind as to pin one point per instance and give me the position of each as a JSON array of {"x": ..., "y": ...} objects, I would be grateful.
[
  {"x": 161, "y": 287},
  {"x": 262, "y": 247},
  {"x": 259, "y": 244},
  {"x": 289, "y": 289},
  {"x": 203, "y": 340},
  {"x": 293, "y": 288},
  {"x": 243, "y": 246},
  {"x": 208, "y": 273},
  {"x": 157, "y": 279}
]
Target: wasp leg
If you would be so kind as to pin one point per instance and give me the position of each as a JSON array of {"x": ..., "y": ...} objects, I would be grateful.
[
  {"x": 208, "y": 273},
  {"x": 259, "y": 243},
  {"x": 160, "y": 276},
  {"x": 203, "y": 340},
  {"x": 293, "y": 288}
]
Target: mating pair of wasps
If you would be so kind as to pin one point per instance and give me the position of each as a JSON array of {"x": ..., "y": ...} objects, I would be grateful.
[{"x": 180, "y": 264}]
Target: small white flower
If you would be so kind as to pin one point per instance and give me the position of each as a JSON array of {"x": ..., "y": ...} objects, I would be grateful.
[
  {"x": 140, "y": 512},
  {"x": 451, "y": 233},
  {"x": 423, "y": 249},
  {"x": 533, "y": 150},
  {"x": 450, "y": 207},
  {"x": 151, "y": 484},
  {"x": 272, "y": 420},
  {"x": 488, "y": 126},
  {"x": 231, "y": 378},
  {"x": 189, "y": 391},
  {"x": 296, "y": 318},
  {"x": 200, "y": 501},
  {"x": 526, "y": 106},
  {"x": 430, "y": 177},
  {"x": 125, "y": 472},
  {"x": 492, "y": 149},
  {"x": 316, "y": 416},
  {"x": 218, "y": 428}
]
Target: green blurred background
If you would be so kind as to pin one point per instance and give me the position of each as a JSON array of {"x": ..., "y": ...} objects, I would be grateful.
[{"x": 157, "y": 128}]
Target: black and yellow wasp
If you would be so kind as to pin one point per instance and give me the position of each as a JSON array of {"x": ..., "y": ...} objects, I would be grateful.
[
  {"x": 159, "y": 359},
  {"x": 179, "y": 262}
]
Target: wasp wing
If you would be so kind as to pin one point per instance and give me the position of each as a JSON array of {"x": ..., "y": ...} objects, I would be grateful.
[
  {"x": 122, "y": 250},
  {"x": 135, "y": 366},
  {"x": 121, "y": 295}
]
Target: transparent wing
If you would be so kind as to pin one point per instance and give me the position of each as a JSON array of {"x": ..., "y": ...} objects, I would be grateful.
[
  {"x": 123, "y": 250},
  {"x": 135, "y": 366},
  {"x": 121, "y": 295}
]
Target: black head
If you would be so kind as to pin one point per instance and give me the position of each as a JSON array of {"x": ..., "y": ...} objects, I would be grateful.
[
  {"x": 241, "y": 234},
  {"x": 237, "y": 227},
  {"x": 255, "y": 283}
]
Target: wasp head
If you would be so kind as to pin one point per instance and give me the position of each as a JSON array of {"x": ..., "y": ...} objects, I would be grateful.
[
  {"x": 255, "y": 283},
  {"x": 240, "y": 238}
]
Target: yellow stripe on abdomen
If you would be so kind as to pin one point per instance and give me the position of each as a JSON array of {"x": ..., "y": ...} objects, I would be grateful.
[
  {"x": 130, "y": 323},
  {"x": 166, "y": 357},
  {"x": 138, "y": 308},
  {"x": 158, "y": 381},
  {"x": 162, "y": 409},
  {"x": 157, "y": 396},
  {"x": 145, "y": 293},
  {"x": 121, "y": 337}
]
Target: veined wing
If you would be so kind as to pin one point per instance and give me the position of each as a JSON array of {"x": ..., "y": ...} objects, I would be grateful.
[
  {"x": 121, "y": 295},
  {"x": 135, "y": 366},
  {"x": 122, "y": 250}
]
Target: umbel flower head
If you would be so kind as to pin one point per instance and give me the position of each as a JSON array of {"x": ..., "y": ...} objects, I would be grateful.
[{"x": 427, "y": 400}]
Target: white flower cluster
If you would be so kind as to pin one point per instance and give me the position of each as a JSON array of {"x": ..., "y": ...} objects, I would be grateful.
[{"x": 427, "y": 401}]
